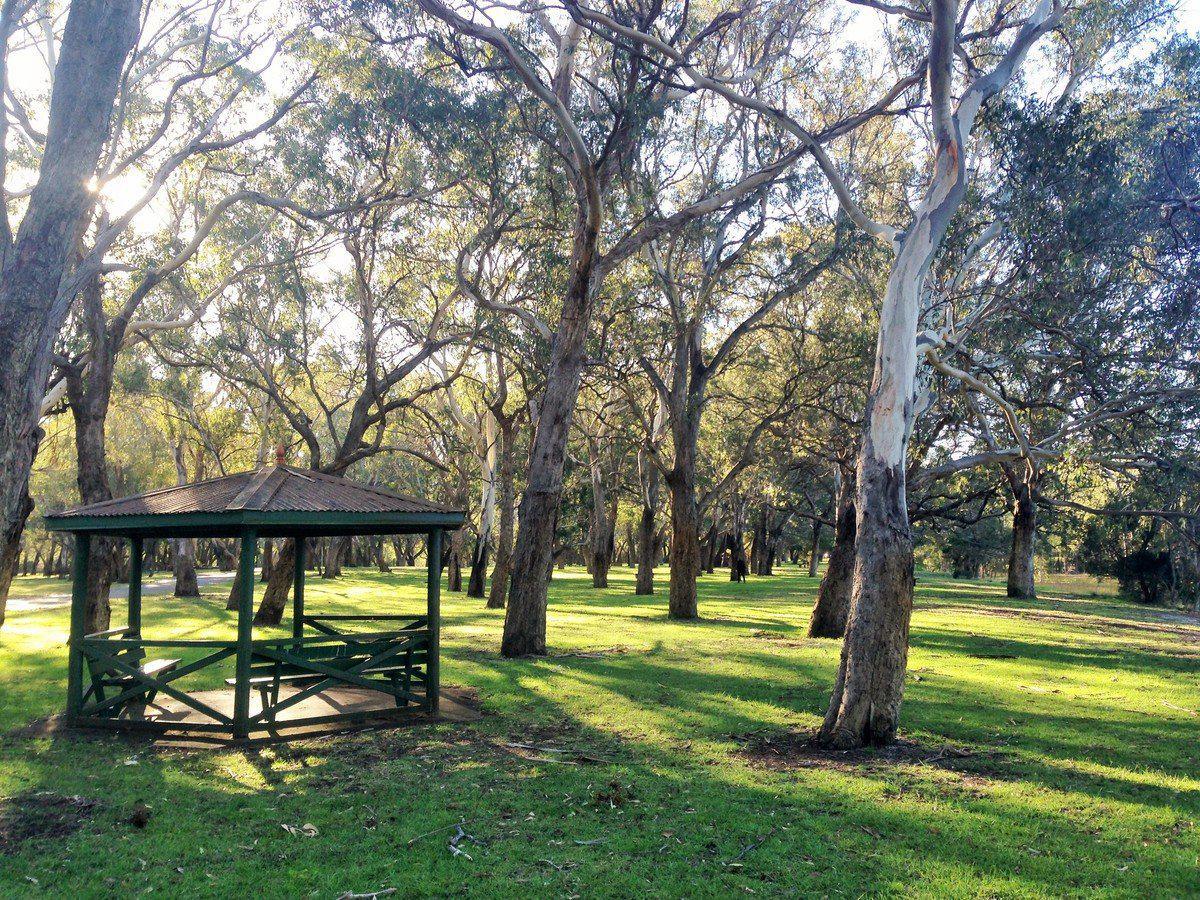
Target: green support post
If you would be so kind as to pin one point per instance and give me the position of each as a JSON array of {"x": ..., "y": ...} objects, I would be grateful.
[
  {"x": 83, "y": 544},
  {"x": 433, "y": 675},
  {"x": 135, "y": 586},
  {"x": 298, "y": 590},
  {"x": 245, "y": 624}
]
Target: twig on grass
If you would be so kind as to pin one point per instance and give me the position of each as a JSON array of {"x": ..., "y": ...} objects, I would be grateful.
[
  {"x": 750, "y": 848},
  {"x": 577, "y": 756}
]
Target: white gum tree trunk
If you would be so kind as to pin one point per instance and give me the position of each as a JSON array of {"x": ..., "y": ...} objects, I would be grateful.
[{"x": 865, "y": 704}]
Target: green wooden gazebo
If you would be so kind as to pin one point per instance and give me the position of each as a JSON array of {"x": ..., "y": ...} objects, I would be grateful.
[{"x": 327, "y": 671}]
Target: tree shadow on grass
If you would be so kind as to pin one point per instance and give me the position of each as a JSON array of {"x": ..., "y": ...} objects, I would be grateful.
[{"x": 853, "y": 833}]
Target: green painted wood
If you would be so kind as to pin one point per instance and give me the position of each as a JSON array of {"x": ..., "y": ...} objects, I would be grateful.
[
  {"x": 181, "y": 696},
  {"x": 170, "y": 642},
  {"x": 78, "y": 609},
  {"x": 333, "y": 674},
  {"x": 298, "y": 588},
  {"x": 257, "y": 642},
  {"x": 260, "y": 670},
  {"x": 433, "y": 616},
  {"x": 135, "y": 585},
  {"x": 418, "y": 621},
  {"x": 245, "y": 633},
  {"x": 174, "y": 675}
]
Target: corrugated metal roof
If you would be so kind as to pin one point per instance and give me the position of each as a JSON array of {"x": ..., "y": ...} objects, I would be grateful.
[{"x": 273, "y": 488}]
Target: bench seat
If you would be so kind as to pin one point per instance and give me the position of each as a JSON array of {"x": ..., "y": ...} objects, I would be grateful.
[
  {"x": 107, "y": 676},
  {"x": 401, "y": 671}
]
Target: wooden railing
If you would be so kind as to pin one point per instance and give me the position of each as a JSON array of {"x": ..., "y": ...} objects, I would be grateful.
[{"x": 392, "y": 661}]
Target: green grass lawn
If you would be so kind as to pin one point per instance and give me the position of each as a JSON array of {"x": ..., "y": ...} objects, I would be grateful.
[{"x": 1078, "y": 714}]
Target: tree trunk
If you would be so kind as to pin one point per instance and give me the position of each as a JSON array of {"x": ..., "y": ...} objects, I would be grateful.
[
  {"x": 454, "y": 562},
  {"x": 488, "y": 463},
  {"x": 1024, "y": 538},
  {"x": 186, "y": 584},
  {"x": 525, "y": 620},
  {"x": 685, "y": 544},
  {"x": 89, "y": 391},
  {"x": 97, "y": 37},
  {"x": 647, "y": 533},
  {"x": 833, "y": 598},
  {"x": 758, "y": 543},
  {"x": 600, "y": 534},
  {"x": 737, "y": 542},
  {"x": 335, "y": 550},
  {"x": 279, "y": 586},
  {"x": 380, "y": 557},
  {"x": 10, "y": 550},
  {"x": 814, "y": 550},
  {"x": 506, "y": 501},
  {"x": 268, "y": 560},
  {"x": 184, "y": 562},
  {"x": 476, "y": 583},
  {"x": 864, "y": 706}
]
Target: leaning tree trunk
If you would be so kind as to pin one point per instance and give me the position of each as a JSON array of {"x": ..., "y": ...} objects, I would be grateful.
[
  {"x": 525, "y": 621},
  {"x": 504, "y": 539},
  {"x": 97, "y": 37},
  {"x": 833, "y": 598},
  {"x": 279, "y": 586},
  {"x": 1024, "y": 537}
]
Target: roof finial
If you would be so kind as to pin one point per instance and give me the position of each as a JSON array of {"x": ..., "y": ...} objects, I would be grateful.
[{"x": 280, "y": 454}]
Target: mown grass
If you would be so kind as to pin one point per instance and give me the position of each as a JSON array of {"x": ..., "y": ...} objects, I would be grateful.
[{"x": 1079, "y": 713}]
